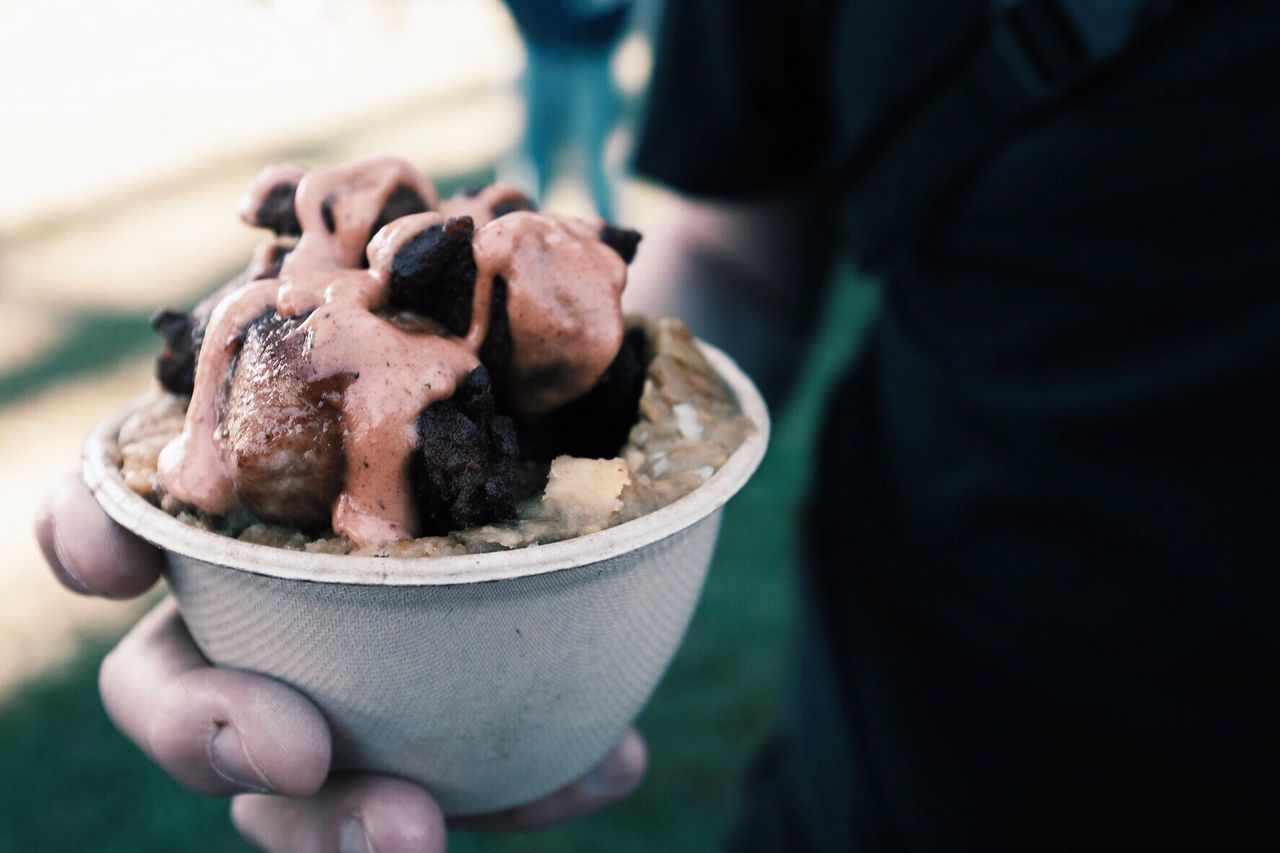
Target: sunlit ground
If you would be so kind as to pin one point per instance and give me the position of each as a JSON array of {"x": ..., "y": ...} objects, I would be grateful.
[{"x": 113, "y": 98}]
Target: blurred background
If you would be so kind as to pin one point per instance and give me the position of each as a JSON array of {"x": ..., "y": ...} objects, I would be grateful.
[{"x": 130, "y": 129}]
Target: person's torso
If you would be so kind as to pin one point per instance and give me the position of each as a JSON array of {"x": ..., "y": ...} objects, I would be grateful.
[{"x": 1065, "y": 455}]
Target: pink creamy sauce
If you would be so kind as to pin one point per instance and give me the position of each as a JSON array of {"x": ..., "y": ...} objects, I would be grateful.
[
  {"x": 563, "y": 301},
  {"x": 568, "y": 327}
]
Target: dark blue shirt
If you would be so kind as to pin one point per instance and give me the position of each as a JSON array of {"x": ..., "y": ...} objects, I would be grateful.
[{"x": 1047, "y": 561}]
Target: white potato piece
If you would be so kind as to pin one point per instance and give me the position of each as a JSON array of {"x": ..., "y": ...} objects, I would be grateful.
[{"x": 585, "y": 491}]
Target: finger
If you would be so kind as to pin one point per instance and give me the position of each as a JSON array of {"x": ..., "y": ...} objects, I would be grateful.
[
  {"x": 88, "y": 552},
  {"x": 610, "y": 781},
  {"x": 216, "y": 731},
  {"x": 352, "y": 813}
]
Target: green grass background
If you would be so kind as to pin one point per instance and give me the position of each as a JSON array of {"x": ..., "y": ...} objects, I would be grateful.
[{"x": 68, "y": 782}]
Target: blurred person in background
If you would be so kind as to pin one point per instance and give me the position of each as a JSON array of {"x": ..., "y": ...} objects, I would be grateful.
[
  {"x": 571, "y": 102},
  {"x": 1041, "y": 605}
]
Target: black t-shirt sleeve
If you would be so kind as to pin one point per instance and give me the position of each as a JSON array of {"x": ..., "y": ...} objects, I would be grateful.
[{"x": 737, "y": 104}]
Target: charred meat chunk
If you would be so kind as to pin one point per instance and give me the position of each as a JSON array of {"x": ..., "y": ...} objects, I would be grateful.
[
  {"x": 464, "y": 473},
  {"x": 495, "y": 351},
  {"x": 624, "y": 241},
  {"x": 597, "y": 424},
  {"x": 511, "y": 204},
  {"x": 277, "y": 211},
  {"x": 435, "y": 274},
  {"x": 176, "y": 363},
  {"x": 282, "y": 436}
]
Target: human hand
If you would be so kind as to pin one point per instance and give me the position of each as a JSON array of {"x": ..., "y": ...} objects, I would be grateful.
[{"x": 226, "y": 732}]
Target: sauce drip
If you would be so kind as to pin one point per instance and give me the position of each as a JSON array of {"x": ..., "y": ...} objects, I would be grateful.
[
  {"x": 396, "y": 374},
  {"x": 564, "y": 289}
]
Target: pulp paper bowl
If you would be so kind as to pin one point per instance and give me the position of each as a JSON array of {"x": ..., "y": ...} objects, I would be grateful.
[{"x": 490, "y": 679}]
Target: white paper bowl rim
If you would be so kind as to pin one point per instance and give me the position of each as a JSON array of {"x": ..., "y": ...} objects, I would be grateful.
[{"x": 102, "y": 474}]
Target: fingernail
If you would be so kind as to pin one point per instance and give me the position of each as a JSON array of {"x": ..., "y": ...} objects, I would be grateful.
[
  {"x": 353, "y": 838},
  {"x": 617, "y": 774},
  {"x": 232, "y": 762},
  {"x": 68, "y": 566}
]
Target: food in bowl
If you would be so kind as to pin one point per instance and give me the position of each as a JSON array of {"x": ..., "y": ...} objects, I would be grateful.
[{"x": 399, "y": 375}]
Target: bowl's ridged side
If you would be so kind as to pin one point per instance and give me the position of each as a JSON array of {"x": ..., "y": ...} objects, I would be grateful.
[{"x": 488, "y": 694}]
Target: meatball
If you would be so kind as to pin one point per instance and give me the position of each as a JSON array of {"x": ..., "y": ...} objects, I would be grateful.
[{"x": 282, "y": 436}]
